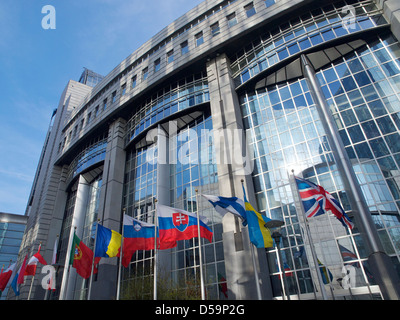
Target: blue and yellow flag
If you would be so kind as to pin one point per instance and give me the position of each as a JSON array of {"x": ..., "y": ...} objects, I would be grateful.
[
  {"x": 326, "y": 274},
  {"x": 259, "y": 235},
  {"x": 108, "y": 242}
]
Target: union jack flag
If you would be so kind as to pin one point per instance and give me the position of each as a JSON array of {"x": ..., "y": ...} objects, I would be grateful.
[{"x": 316, "y": 201}]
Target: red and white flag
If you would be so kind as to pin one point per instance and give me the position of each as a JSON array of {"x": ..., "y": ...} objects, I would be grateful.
[
  {"x": 32, "y": 263},
  {"x": 5, "y": 276}
]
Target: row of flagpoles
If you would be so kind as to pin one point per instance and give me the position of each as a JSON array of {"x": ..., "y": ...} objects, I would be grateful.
[
  {"x": 15, "y": 277},
  {"x": 172, "y": 225}
]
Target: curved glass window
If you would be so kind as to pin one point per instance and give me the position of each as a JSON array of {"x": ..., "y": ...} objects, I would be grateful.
[
  {"x": 94, "y": 153},
  {"x": 301, "y": 33},
  {"x": 181, "y": 95}
]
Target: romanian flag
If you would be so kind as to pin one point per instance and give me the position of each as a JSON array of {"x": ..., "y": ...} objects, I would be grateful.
[
  {"x": 108, "y": 242},
  {"x": 259, "y": 235},
  {"x": 81, "y": 258}
]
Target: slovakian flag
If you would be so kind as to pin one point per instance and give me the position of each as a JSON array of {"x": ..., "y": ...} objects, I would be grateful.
[
  {"x": 224, "y": 205},
  {"x": 81, "y": 258},
  {"x": 176, "y": 224},
  {"x": 6, "y": 276},
  {"x": 32, "y": 263},
  {"x": 316, "y": 201},
  {"x": 138, "y": 235}
]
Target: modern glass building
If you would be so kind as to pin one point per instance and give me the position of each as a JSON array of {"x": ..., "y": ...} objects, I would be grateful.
[
  {"x": 12, "y": 227},
  {"x": 253, "y": 91}
]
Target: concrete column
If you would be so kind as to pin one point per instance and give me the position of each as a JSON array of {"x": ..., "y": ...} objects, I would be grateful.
[
  {"x": 391, "y": 10},
  {"x": 110, "y": 208},
  {"x": 78, "y": 221},
  {"x": 233, "y": 164}
]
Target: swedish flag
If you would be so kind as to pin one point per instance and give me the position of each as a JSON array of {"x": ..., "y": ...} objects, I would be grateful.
[
  {"x": 108, "y": 242},
  {"x": 259, "y": 235}
]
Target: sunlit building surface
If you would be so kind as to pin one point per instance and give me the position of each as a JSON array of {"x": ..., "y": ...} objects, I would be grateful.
[{"x": 158, "y": 126}]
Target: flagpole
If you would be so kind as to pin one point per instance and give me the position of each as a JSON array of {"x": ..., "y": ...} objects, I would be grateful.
[
  {"x": 203, "y": 290},
  {"x": 94, "y": 256},
  {"x": 120, "y": 255},
  {"x": 52, "y": 281},
  {"x": 155, "y": 250},
  {"x": 253, "y": 258},
  {"x": 302, "y": 217},
  {"x": 64, "y": 282},
  {"x": 33, "y": 278}
]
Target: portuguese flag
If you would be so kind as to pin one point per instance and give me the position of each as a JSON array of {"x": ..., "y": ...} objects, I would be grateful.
[{"x": 81, "y": 258}]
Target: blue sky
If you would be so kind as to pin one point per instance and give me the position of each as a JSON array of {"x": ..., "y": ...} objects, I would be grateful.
[{"x": 36, "y": 64}]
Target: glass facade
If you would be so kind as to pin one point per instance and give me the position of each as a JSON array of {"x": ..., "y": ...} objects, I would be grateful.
[
  {"x": 180, "y": 95},
  {"x": 261, "y": 71},
  {"x": 192, "y": 171},
  {"x": 301, "y": 33},
  {"x": 362, "y": 91},
  {"x": 11, "y": 234}
]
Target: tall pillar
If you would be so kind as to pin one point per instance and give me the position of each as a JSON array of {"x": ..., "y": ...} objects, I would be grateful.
[
  {"x": 233, "y": 164},
  {"x": 104, "y": 285},
  {"x": 78, "y": 221}
]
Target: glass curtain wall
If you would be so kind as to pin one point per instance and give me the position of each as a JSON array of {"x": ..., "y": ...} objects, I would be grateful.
[
  {"x": 194, "y": 169},
  {"x": 139, "y": 195},
  {"x": 362, "y": 90}
]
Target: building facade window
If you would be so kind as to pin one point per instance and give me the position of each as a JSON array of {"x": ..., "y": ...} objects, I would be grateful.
[
  {"x": 269, "y": 3},
  {"x": 184, "y": 47},
  {"x": 145, "y": 73},
  {"x": 133, "y": 82},
  {"x": 157, "y": 65},
  {"x": 232, "y": 20},
  {"x": 199, "y": 38},
  {"x": 215, "y": 29},
  {"x": 250, "y": 10},
  {"x": 170, "y": 56}
]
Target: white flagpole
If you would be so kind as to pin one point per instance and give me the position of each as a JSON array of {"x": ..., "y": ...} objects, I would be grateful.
[
  {"x": 94, "y": 256},
  {"x": 33, "y": 278},
  {"x": 299, "y": 205},
  {"x": 203, "y": 290},
  {"x": 155, "y": 250},
  {"x": 64, "y": 283},
  {"x": 53, "y": 262},
  {"x": 120, "y": 256}
]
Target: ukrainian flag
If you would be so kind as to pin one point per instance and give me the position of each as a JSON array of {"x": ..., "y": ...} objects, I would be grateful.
[
  {"x": 108, "y": 242},
  {"x": 260, "y": 236}
]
